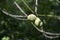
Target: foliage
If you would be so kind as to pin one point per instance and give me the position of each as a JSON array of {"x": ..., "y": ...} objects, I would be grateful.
[{"x": 24, "y": 30}]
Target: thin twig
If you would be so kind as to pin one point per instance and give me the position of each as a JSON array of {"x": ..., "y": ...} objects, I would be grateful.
[
  {"x": 20, "y": 8},
  {"x": 14, "y": 16},
  {"x": 52, "y": 33},
  {"x": 58, "y": 17},
  {"x": 11, "y": 14},
  {"x": 27, "y": 6},
  {"x": 18, "y": 16},
  {"x": 21, "y": 19},
  {"x": 41, "y": 30},
  {"x": 36, "y": 4},
  {"x": 51, "y": 37},
  {"x": 37, "y": 28}
]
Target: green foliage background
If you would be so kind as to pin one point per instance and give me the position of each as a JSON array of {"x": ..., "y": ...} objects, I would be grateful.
[{"x": 23, "y": 30}]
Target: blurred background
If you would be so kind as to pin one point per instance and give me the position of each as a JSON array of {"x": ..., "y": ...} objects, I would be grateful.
[{"x": 24, "y": 30}]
